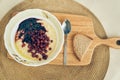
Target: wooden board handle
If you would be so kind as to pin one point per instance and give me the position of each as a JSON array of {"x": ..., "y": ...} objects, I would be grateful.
[{"x": 111, "y": 42}]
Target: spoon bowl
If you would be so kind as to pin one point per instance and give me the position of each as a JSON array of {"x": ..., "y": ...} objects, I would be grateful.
[{"x": 66, "y": 26}]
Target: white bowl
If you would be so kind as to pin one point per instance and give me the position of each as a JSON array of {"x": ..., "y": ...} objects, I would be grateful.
[{"x": 12, "y": 27}]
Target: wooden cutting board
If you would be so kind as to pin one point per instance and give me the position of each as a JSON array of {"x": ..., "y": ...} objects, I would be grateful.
[
  {"x": 77, "y": 22},
  {"x": 11, "y": 70}
]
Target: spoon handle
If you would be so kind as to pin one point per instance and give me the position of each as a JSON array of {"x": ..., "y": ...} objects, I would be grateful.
[{"x": 65, "y": 51}]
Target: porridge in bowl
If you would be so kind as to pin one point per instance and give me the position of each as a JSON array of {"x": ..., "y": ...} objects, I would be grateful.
[{"x": 35, "y": 39}]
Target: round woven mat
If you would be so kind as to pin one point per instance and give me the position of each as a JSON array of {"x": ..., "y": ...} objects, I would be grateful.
[{"x": 11, "y": 70}]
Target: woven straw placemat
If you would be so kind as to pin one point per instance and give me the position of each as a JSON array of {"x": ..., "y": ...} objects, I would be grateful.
[{"x": 11, "y": 70}]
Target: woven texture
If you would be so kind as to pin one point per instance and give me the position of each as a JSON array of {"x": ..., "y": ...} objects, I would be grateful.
[{"x": 11, "y": 70}]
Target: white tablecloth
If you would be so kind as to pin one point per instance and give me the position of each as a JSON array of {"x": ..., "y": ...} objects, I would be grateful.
[{"x": 108, "y": 13}]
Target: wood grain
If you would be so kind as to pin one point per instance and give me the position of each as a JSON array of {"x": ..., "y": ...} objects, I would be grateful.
[
  {"x": 11, "y": 70},
  {"x": 76, "y": 21}
]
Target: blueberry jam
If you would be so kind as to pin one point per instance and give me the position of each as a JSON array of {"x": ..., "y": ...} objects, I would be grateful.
[{"x": 34, "y": 34}]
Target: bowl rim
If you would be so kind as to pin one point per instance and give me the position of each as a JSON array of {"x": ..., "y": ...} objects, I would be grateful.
[{"x": 58, "y": 50}]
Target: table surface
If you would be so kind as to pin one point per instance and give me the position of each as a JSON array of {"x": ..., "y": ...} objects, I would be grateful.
[{"x": 107, "y": 11}]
